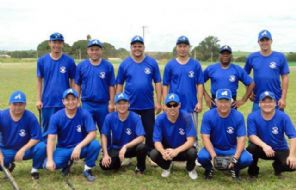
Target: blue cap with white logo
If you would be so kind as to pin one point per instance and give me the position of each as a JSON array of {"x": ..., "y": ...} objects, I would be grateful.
[
  {"x": 223, "y": 94},
  {"x": 183, "y": 40},
  {"x": 136, "y": 39},
  {"x": 56, "y": 37},
  {"x": 94, "y": 42},
  {"x": 266, "y": 94},
  {"x": 121, "y": 96},
  {"x": 172, "y": 97},
  {"x": 225, "y": 48},
  {"x": 70, "y": 91},
  {"x": 17, "y": 97},
  {"x": 264, "y": 34}
]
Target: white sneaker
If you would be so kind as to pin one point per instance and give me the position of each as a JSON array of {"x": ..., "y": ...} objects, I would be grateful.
[
  {"x": 197, "y": 163},
  {"x": 193, "y": 174},
  {"x": 166, "y": 173},
  {"x": 126, "y": 162}
]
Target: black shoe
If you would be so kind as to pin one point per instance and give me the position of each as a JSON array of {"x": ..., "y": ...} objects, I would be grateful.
[
  {"x": 235, "y": 174},
  {"x": 277, "y": 169},
  {"x": 209, "y": 173},
  {"x": 66, "y": 170},
  {"x": 35, "y": 175},
  {"x": 11, "y": 167},
  {"x": 253, "y": 172},
  {"x": 138, "y": 171}
]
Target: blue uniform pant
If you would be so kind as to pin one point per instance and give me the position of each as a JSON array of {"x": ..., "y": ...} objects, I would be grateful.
[
  {"x": 46, "y": 113},
  {"x": 90, "y": 154},
  {"x": 37, "y": 153},
  {"x": 204, "y": 157}
]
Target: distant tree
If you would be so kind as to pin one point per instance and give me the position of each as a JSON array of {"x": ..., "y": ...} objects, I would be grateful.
[
  {"x": 291, "y": 56},
  {"x": 23, "y": 54},
  {"x": 240, "y": 59},
  {"x": 122, "y": 53},
  {"x": 43, "y": 48},
  {"x": 208, "y": 49},
  {"x": 78, "y": 49},
  {"x": 109, "y": 50},
  {"x": 88, "y": 37}
]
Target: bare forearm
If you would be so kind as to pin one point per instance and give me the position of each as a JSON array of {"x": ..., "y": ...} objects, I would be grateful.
[
  {"x": 77, "y": 88},
  {"x": 111, "y": 94},
  {"x": 293, "y": 147},
  {"x": 90, "y": 136},
  {"x": 249, "y": 90},
  {"x": 158, "y": 92},
  {"x": 71, "y": 83},
  {"x": 135, "y": 142},
  {"x": 257, "y": 141},
  {"x": 51, "y": 142},
  {"x": 200, "y": 92},
  {"x": 159, "y": 147},
  {"x": 188, "y": 144},
  {"x": 285, "y": 84},
  {"x": 208, "y": 145},
  {"x": 241, "y": 141},
  {"x": 119, "y": 88},
  {"x": 164, "y": 92},
  {"x": 104, "y": 144},
  {"x": 39, "y": 88},
  {"x": 30, "y": 144}
]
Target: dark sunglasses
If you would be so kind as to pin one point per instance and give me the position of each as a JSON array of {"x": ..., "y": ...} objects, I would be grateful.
[{"x": 172, "y": 105}]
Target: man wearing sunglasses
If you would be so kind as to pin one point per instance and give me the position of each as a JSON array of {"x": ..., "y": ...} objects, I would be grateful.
[
  {"x": 268, "y": 67},
  {"x": 174, "y": 137},
  {"x": 223, "y": 133}
]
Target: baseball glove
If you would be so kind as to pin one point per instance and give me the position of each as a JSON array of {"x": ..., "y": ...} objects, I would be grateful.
[{"x": 222, "y": 162}]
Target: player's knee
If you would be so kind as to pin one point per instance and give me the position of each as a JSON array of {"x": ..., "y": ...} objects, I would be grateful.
[
  {"x": 203, "y": 156},
  {"x": 154, "y": 154},
  {"x": 192, "y": 153}
]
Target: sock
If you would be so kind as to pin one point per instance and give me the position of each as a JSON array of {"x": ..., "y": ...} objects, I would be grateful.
[
  {"x": 34, "y": 170},
  {"x": 86, "y": 167}
]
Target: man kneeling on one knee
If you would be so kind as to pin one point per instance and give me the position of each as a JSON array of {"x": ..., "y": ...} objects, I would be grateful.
[
  {"x": 127, "y": 133},
  {"x": 174, "y": 137}
]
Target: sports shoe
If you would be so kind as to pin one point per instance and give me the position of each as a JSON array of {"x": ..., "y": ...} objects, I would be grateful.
[
  {"x": 11, "y": 167},
  {"x": 166, "y": 173},
  {"x": 126, "y": 162},
  {"x": 35, "y": 175},
  {"x": 193, "y": 174},
  {"x": 209, "y": 174},
  {"x": 235, "y": 174},
  {"x": 138, "y": 171},
  {"x": 88, "y": 175},
  {"x": 66, "y": 170},
  {"x": 253, "y": 172},
  {"x": 277, "y": 169},
  {"x": 197, "y": 163}
]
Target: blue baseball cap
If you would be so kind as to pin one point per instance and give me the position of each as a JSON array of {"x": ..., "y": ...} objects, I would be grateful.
[
  {"x": 17, "y": 97},
  {"x": 183, "y": 40},
  {"x": 172, "y": 97},
  {"x": 136, "y": 39},
  {"x": 223, "y": 94},
  {"x": 121, "y": 96},
  {"x": 225, "y": 48},
  {"x": 70, "y": 91},
  {"x": 56, "y": 37},
  {"x": 266, "y": 94},
  {"x": 264, "y": 34},
  {"x": 94, "y": 42}
]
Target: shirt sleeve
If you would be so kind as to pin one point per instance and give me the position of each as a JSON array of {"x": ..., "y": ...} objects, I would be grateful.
[
  {"x": 248, "y": 66},
  {"x": 251, "y": 125},
  {"x": 78, "y": 77},
  {"x": 199, "y": 75},
  {"x": 284, "y": 67},
  {"x": 111, "y": 76},
  {"x": 35, "y": 129},
  {"x": 205, "y": 125},
  {"x": 206, "y": 74},
  {"x": 72, "y": 69},
  {"x": 190, "y": 130},
  {"x": 157, "y": 133},
  {"x": 139, "y": 127},
  {"x": 88, "y": 122},
  {"x": 120, "y": 75},
  {"x": 53, "y": 125},
  {"x": 106, "y": 129},
  {"x": 244, "y": 77},
  {"x": 289, "y": 128},
  {"x": 156, "y": 74},
  {"x": 166, "y": 75},
  {"x": 40, "y": 70},
  {"x": 241, "y": 130}
]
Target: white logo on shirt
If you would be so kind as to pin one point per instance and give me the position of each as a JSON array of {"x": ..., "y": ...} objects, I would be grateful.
[
  {"x": 102, "y": 75},
  {"x": 22, "y": 132},
  {"x": 275, "y": 130},
  {"x": 62, "y": 69},
  {"x": 191, "y": 74},
  {"x": 78, "y": 128},
  {"x": 128, "y": 131},
  {"x": 232, "y": 78},
  {"x": 147, "y": 71},
  {"x": 272, "y": 65},
  {"x": 181, "y": 131},
  {"x": 230, "y": 130}
]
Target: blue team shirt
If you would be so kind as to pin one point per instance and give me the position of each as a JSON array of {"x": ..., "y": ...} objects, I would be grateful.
[
  {"x": 138, "y": 79},
  {"x": 56, "y": 75},
  {"x": 182, "y": 80},
  {"x": 173, "y": 135},
  {"x": 267, "y": 71},
  {"x": 71, "y": 132},
  {"x": 273, "y": 131},
  {"x": 95, "y": 80},
  {"x": 229, "y": 78},
  {"x": 122, "y": 132},
  {"x": 16, "y": 134},
  {"x": 223, "y": 131}
]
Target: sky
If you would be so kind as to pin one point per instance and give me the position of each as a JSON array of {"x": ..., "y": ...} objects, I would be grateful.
[{"x": 24, "y": 24}]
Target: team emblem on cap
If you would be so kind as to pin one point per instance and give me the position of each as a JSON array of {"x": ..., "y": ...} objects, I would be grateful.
[
  {"x": 224, "y": 93},
  {"x": 78, "y": 128},
  {"x": 17, "y": 97},
  {"x": 181, "y": 131},
  {"x": 102, "y": 75},
  {"x": 264, "y": 33},
  {"x": 121, "y": 95},
  {"x": 272, "y": 65},
  {"x": 232, "y": 78},
  {"x": 147, "y": 71},
  {"x": 128, "y": 131},
  {"x": 230, "y": 130},
  {"x": 171, "y": 96},
  {"x": 191, "y": 74},
  {"x": 22, "y": 132},
  {"x": 62, "y": 69},
  {"x": 275, "y": 130}
]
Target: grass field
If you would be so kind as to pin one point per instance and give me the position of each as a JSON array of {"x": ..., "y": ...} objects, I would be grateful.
[{"x": 20, "y": 74}]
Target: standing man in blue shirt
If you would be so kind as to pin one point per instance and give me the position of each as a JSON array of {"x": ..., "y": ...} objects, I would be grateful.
[
  {"x": 138, "y": 71},
  {"x": 174, "y": 137},
  {"x": 227, "y": 75},
  {"x": 55, "y": 74},
  {"x": 95, "y": 82},
  {"x": 73, "y": 129},
  {"x": 223, "y": 133},
  {"x": 183, "y": 76},
  {"x": 21, "y": 135},
  {"x": 266, "y": 130},
  {"x": 127, "y": 133},
  {"x": 270, "y": 71}
]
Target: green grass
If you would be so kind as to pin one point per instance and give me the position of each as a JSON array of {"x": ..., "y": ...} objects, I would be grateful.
[{"x": 21, "y": 75}]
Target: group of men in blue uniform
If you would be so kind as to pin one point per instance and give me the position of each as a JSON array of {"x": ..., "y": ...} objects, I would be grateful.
[{"x": 124, "y": 110}]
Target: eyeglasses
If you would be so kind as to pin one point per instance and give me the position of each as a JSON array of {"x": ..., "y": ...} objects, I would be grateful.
[{"x": 172, "y": 105}]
